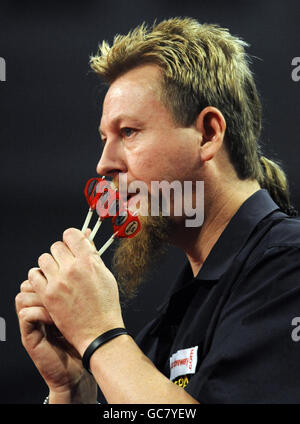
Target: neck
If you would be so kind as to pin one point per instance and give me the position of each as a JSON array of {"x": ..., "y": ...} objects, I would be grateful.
[{"x": 220, "y": 206}]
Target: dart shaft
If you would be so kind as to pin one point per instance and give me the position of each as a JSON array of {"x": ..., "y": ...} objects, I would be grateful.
[
  {"x": 95, "y": 229},
  {"x": 107, "y": 244},
  {"x": 87, "y": 220}
]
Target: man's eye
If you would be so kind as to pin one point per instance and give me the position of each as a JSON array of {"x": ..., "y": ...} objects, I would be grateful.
[{"x": 127, "y": 132}]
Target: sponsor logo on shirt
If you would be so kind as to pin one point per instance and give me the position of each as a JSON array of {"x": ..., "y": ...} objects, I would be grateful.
[
  {"x": 182, "y": 381},
  {"x": 183, "y": 362}
]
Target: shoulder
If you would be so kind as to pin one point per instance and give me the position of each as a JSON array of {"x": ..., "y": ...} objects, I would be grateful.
[
  {"x": 278, "y": 249},
  {"x": 286, "y": 233},
  {"x": 276, "y": 238},
  {"x": 272, "y": 262}
]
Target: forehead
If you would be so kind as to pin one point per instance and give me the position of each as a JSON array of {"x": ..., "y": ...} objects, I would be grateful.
[{"x": 137, "y": 92}]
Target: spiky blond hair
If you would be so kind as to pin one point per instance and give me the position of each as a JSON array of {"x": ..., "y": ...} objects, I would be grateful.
[{"x": 202, "y": 65}]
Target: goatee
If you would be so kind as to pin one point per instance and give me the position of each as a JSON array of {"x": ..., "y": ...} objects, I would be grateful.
[{"x": 133, "y": 257}]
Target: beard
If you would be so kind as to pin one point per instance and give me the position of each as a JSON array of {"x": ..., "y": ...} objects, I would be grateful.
[{"x": 133, "y": 257}]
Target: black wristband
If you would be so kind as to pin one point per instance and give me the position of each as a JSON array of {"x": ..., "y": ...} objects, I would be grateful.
[{"x": 99, "y": 341}]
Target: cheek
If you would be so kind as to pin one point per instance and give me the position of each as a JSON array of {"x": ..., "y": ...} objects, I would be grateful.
[
  {"x": 169, "y": 159},
  {"x": 148, "y": 165}
]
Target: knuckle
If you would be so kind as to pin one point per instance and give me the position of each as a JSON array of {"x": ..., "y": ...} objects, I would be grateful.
[
  {"x": 23, "y": 313},
  {"x": 52, "y": 292},
  {"x": 25, "y": 285},
  {"x": 18, "y": 299},
  {"x": 71, "y": 271},
  {"x": 42, "y": 257},
  {"x": 68, "y": 232},
  {"x": 51, "y": 298},
  {"x": 32, "y": 273},
  {"x": 55, "y": 245},
  {"x": 86, "y": 259}
]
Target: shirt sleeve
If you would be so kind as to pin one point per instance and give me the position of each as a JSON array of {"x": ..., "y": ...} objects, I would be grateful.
[{"x": 254, "y": 356}]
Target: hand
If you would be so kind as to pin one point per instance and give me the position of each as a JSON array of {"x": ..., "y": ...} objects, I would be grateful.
[
  {"x": 56, "y": 360},
  {"x": 78, "y": 291}
]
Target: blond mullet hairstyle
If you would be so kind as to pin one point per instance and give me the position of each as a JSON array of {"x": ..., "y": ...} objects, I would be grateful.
[{"x": 202, "y": 65}]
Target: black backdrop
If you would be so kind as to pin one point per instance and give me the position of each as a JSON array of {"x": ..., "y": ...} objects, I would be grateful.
[{"x": 50, "y": 108}]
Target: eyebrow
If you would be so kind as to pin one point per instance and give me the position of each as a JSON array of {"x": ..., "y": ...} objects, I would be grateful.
[{"x": 117, "y": 120}]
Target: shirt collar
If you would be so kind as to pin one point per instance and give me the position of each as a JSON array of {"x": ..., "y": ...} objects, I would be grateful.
[
  {"x": 236, "y": 234},
  {"x": 228, "y": 245}
]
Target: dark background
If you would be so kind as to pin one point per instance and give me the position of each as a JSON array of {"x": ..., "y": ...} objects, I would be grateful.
[{"x": 50, "y": 108}]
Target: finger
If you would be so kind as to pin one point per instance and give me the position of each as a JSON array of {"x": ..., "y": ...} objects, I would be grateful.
[
  {"x": 48, "y": 265},
  {"x": 61, "y": 253},
  {"x": 26, "y": 286},
  {"x": 55, "y": 337},
  {"x": 26, "y": 299},
  {"x": 87, "y": 234},
  {"x": 37, "y": 280},
  {"x": 29, "y": 318},
  {"x": 77, "y": 242}
]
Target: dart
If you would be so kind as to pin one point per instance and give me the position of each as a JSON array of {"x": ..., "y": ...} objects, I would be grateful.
[
  {"x": 108, "y": 205},
  {"x": 107, "y": 244},
  {"x": 94, "y": 188},
  {"x": 103, "y": 197},
  {"x": 89, "y": 192},
  {"x": 125, "y": 225}
]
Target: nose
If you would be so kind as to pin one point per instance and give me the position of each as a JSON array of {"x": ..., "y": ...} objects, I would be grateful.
[{"x": 112, "y": 161}]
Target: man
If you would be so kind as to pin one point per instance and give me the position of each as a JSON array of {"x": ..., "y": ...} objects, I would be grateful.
[{"x": 181, "y": 106}]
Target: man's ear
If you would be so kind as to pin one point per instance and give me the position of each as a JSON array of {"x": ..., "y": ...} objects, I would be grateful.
[{"x": 212, "y": 126}]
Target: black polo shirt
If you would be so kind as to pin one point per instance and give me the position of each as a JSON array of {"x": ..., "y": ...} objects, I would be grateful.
[{"x": 230, "y": 335}]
